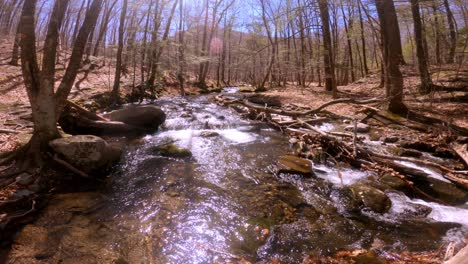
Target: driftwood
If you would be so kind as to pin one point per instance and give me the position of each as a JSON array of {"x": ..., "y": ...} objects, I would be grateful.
[{"x": 8, "y": 131}]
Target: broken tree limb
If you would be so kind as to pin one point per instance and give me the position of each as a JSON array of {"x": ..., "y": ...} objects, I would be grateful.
[
  {"x": 461, "y": 150},
  {"x": 8, "y": 131},
  {"x": 70, "y": 167},
  {"x": 85, "y": 112}
]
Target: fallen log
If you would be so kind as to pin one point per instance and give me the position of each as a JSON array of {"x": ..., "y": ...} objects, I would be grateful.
[{"x": 296, "y": 113}]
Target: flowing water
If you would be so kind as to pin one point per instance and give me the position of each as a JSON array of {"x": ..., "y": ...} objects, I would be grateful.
[{"x": 225, "y": 204}]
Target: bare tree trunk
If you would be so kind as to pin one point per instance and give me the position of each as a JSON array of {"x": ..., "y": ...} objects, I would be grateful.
[
  {"x": 437, "y": 34},
  {"x": 452, "y": 32},
  {"x": 391, "y": 38},
  {"x": 103, "y": 27},
  {"x": 118, "y": 66},
  {"x": 329, "y": 64},
  {"x": 145, "y": 40},
  {"x": 363, "y": 41},
  {"x": 40, "y": 84},
  {"x": 181, "y": 73},
  {"x": 425, "y": 77},
  {"x": 261, "y": 86}
]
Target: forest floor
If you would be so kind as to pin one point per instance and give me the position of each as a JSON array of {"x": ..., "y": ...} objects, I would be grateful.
[{"x": 90, "y": 85}]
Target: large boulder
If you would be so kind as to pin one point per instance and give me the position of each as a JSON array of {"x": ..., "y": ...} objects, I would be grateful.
[
  {"x": 371, "y": 198},
  {"x": 87, "y": 153},
  {"x": 146, "y": 116}
]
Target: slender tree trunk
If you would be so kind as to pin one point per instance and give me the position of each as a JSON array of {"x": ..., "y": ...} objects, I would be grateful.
[
  {"x": 329, "y": 64},
  {"x": 391, "y": 40},
  {"x": 363, "y": 42},
  {"x": 437, "y": 34},
  {"x": 426, "y": 82},
  {"x": 181, "y": 73},
  {"x": 118, "y": 66},
  {"x": 452, "y": 32},
  {"x": 261, "y": 86},
  {"x": 145, "y": 40}
]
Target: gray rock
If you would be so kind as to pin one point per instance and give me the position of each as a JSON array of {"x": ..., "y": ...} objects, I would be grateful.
[
  {"x": 21, "y": 193},
  {"x": 147, "y": 116},
  {"x": 360, "y": 128},
  {"x": 88, "y": 153},
  {"x": 24, "y": 179},
  {"x": 371, "y": 198}
]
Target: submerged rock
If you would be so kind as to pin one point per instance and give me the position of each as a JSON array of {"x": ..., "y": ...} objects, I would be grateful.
[
  {"x": 360, "y": 128},
  {"x": 410, "y": 153},
  {"x": 147, "y": 116},
  {"x": 88, "y": 153},
  {"x": 394, "y": 182},
  {"x": 371, "y": 198},
  {"x": 293, "y": 164},
  {"x": 442, "y": 190},
  {"x": 209, "y": 134},
  {"x": 391, "y": 139},
  {"x": 172, "y": 151}
]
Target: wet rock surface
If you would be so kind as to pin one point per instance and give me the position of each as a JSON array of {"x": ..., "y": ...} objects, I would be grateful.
[
  {"x": 147, "y": 116},
  {"x": 88, "y": 153},
  {"x": 371, "y": 198},
  {"x": 293, "y": 164}
]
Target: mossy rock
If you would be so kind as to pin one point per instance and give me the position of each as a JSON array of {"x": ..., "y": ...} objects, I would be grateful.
[{"x": 172, "y": 151}]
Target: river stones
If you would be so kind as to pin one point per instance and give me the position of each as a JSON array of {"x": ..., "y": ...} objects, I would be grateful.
[
  {"x": 371, "y": 198},
  {"x": 293, "y": 164},
  {"x": 88, "y": 153},
  {"x": 146, "y": 116}
]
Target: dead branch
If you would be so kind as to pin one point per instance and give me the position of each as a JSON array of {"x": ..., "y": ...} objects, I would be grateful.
[
  {"x": 8, "y": 131},
  {"x": 70, "y": 167},
  {"x": 85, "y": 112}
]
